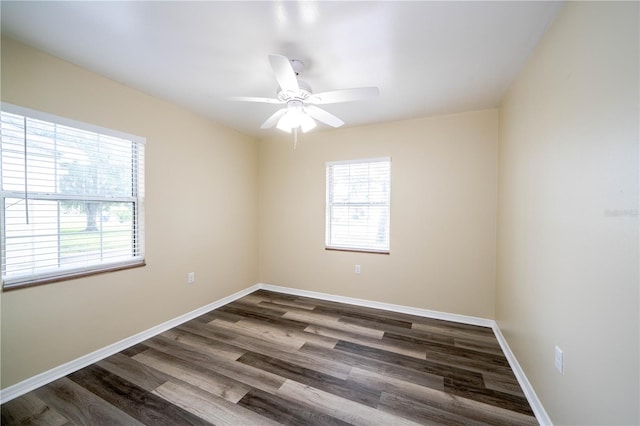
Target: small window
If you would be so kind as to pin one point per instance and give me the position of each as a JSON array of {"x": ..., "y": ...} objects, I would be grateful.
[
  {"x": 358, "y": 201},
  {"x": 72, "y": 198}
]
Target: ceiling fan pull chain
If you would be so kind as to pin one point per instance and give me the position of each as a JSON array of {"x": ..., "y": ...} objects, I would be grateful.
[{"x": 295, "y": 138}]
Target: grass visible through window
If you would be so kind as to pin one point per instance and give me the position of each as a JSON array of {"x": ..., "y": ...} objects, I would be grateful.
[{"x": 79, "y": 241}]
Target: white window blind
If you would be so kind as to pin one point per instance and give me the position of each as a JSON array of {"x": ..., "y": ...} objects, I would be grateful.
[
  {"x": 72, "y": 198},
  {"x": 358, "y": 205}
]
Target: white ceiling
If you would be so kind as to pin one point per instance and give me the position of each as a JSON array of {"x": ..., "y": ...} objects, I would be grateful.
[{"x": 427, "y": 58}]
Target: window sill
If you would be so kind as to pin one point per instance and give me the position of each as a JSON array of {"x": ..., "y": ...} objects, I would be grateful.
[
  {"x": 71, "y": 276},
  {"x": 354, "y": 250}
]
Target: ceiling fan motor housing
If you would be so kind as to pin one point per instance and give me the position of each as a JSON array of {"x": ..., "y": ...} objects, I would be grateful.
[
  {"x": 303, "y": 93},
  {"x": 294, "y": 103}
]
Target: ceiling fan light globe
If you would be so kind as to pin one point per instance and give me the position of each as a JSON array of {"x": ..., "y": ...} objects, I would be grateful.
[
  {"x": 306, "y": 122},
  {"x": 284, "y": 126},
  {"x": 293, "y": 117},
  {"x": 289, "y": 121}
]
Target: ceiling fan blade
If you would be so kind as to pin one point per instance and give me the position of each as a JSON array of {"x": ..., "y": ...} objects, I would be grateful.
[
  {"x": 323, "y": 116},
  {"x": 255, "y": 99},
  {"x": 284, "y": 73},
  {"x": 344, "y": 95},
  {"x": 271, "y": 121}
]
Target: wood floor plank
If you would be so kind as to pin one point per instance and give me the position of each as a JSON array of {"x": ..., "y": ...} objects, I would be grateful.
[
  {"x": 240, "y": 372},
  {"x": 308, "y": 360},
  {"x": 248, "y": 311},
  {"x": 453, "y": 326},
  {"x": 503, "y": 382},
  {"x": 207, "y": 380},
  {"x": 30, "y": 410},
  {"x": 218, "y": 314},
  {"x": 310, "y": 317},
  {"x": 182, "y": 350},
  {"x": 302, "y": 359},
  {"x": 345, "y": 329},
  {"x": 370, "y": 320},
  {"x": 133, "y": 371},
  {"x": 208, "y": 407},
  {"x": 254, "y": 298},
  {"x": 390, "y": 369},
  {"x": 379, "y": 343},
  {"x": 463, "y": 407},
  {"x": 131, "y": 399},
  {"x": 306, "y": 376},
  {"x": 423, "y": 337},
  {"x": 204, "y": 345},
  {"x": 287, "y": 300},
  {"x": 281, "y": 338},
  {"x": 270, "y": 358},
  {"x": 339, "y": 332},
  {"x": 458, "y": 376},
  {"x": 488, "y": 346},
  {"x": 80, "y": 406},
  {"x": 338, "y": 407},
  {"x": 481, "y": 334},
  {"x": 274, "y": 295},
  {"x": 337, "y": 305},
  {"x": 509, "y": 401},
  {"x": 135, "y": 349},
  {"x": 421, "y": 413},
  {"x": 295, "y": 303},
  {"x": 464, "y": 360},
  {"x": 393, "y": 315},
  {"x": 462, "y": 354},
  {"x": 270, "y": 308},
  {"x": 301, "y": 335},
  {"x": 285, "y": 411}
]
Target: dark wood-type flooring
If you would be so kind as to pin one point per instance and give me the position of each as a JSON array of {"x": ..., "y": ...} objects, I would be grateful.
[{"x": 271, "y": 358}]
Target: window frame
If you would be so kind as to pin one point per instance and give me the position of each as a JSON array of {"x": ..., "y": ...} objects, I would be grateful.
[
  {"x": 136, "y": 199},
  {"x": 328, "y": 217}
]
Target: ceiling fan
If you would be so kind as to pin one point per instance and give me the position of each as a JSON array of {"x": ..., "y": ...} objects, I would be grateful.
[{"x": 300, "y": 110}]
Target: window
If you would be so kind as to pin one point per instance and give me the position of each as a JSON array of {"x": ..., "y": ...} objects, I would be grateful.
[
  {"x": 358, "y": 194},
  {"x": 71, "y": 198}
]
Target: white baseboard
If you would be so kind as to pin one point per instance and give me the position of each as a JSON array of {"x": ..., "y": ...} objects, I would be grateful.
[
  {"x": 536, "y": 405},
  {"x": 483, "y": 322},
  {"x": 55, "y": 373}
]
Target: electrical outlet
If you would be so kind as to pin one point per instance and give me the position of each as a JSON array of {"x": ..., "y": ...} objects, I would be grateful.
[
  {"x": 357, "y": 269},
  {"x": 559, "y": 360},
  {"x": 191, "y": 277}
]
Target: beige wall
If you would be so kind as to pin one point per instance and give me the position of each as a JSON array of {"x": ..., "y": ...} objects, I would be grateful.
[
  {"x": 201, "y": 216},
  {"x": 568, "y": 215},
  {"x": 443, "y": 213}
]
